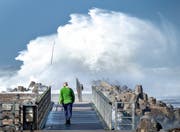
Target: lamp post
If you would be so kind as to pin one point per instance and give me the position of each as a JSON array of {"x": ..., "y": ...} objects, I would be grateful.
[{"x": 29, "y": 117}]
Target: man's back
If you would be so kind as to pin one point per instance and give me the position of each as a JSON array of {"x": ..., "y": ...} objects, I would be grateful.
[{"x": 66, "y": 95}]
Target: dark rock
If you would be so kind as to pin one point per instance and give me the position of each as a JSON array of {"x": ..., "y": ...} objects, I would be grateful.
[
  {"x": 21, "y": 88},
  {"x": 148, "y": 123},
  {"x": 32, "y": 83},
  {"x": 174, "y": 130},
  {"x": 139, "y": 91},
  {"x": 161, "y": 104},
  {"x": 152, "y": 100}
]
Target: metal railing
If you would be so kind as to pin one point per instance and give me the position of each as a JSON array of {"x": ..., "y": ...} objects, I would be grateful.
[
  {"x": 124, "y": 115},
  {"x": 103, "y": 106},
  {"x": 117, "y": 115},
  {"x": 40, "y": 110},
  {"x": 43, "y": 106}
]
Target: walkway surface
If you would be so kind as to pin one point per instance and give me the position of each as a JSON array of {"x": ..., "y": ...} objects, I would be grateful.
[{"x": 84, "y": 118}]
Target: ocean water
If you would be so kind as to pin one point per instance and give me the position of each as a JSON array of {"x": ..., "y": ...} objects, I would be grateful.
[{"x": 174, "y": 101}]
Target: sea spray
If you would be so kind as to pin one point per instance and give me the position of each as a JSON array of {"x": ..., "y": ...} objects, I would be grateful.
[{"x": 102, "y": 44}]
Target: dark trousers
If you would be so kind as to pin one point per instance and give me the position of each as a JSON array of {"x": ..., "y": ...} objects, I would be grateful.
[{"x": 68, "y": 110}]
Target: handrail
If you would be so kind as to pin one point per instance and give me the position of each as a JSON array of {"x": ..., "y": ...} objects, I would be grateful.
[
  {"x": 124, "y": 117},
  {"x": 104, "y": 106},
  {"x": 43, "y": 104},
  {"x": 106, "y": 109}
]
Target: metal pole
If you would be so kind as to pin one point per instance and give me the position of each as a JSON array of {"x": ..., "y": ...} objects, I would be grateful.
[
  {"x": 110, "y": 117},
  {"x": 79, "y": 90},
  {"x": 52, "y": 52},
  {"x": 115, "y": 125},
  {"x": 133, "y": 116}
]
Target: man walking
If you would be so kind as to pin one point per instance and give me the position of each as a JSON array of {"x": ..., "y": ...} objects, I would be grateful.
[{"x": 66, "y": 98}]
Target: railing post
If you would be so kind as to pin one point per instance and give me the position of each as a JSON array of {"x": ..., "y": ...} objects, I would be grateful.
[
  {"x": 115, "y": 122},
  {"x": 110, "y": 127},
  {"x": 133, "y": 116}
]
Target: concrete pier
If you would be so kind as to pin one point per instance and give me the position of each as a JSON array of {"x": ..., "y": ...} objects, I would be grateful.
[{"x": 84, "y": 118}]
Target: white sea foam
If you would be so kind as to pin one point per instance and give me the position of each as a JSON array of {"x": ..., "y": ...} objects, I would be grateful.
[{"x": 102, "y": 44}]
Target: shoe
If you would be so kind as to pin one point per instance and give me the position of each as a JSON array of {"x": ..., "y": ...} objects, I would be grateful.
[
  {"x": 66, "y": 122},
  {"x": 69, "y": 122}
]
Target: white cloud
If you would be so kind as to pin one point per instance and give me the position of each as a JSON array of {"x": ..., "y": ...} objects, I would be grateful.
[{"x": 102, "y": 44}]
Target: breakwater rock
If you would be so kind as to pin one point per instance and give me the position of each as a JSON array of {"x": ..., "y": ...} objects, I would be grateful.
[{"x": 164, "y": 114}]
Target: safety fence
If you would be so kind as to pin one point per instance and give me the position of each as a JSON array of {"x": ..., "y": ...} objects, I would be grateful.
[
  {"x": 43, "y": 107},
  {"x": 34, "y": 115},
  {"x": 116, "y": 115},
  {"x": 103, "y": 106},
  {"x": 124, "y": 116}
]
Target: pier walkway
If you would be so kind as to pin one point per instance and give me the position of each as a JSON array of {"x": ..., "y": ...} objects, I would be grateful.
[{"x": 84, "y": 118}]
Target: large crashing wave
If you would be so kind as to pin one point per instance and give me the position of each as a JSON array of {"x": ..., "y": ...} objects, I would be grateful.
[{"x": 102, "y": 44}]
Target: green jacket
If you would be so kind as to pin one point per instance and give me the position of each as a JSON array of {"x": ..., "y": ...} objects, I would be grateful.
[{"x": 66, "y": 95}]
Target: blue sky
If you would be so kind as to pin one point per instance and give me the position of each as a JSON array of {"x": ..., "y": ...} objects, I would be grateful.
[{"x": 22, "y": 21}]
